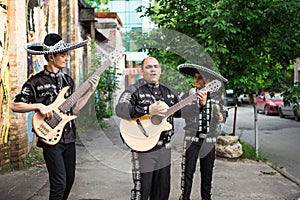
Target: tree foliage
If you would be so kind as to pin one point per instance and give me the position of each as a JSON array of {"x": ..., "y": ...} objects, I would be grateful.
[
  {"x": 252, "y": 43},
  {"x": 101, "y": 105},
  {"x": 99, "y": 5},
  {"x": 291, "y": 95}
]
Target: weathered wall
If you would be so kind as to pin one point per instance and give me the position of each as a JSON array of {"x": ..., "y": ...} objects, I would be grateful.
[
  {"x": 4, "y": 93},
  {"x": 16, "y": 17}
]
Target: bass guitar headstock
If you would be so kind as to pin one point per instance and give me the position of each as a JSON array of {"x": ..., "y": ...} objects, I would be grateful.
[
  {"x": 212, "y": 86},
  {"x": 116, "y": 55}
]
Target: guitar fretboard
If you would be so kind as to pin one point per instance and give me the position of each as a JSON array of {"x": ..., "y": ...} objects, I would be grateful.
[
  {"x": 212, "y": 86},
  {"x": 71, "y": 100},
  {"x": 181, "y": 104}
]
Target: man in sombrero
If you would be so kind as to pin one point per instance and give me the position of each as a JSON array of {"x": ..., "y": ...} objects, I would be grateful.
[
  {"x": 39, "y": 91},
  {"x": 201, "y": 118}
]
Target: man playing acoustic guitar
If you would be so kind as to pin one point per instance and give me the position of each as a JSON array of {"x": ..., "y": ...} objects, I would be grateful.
[
  {"x": 150, "y": 163},
  {"x": 41, "y": 90}
]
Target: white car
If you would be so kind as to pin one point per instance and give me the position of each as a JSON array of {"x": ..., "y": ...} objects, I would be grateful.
[
  {"x": 291, "y": 110},
  {"x": 244, "y": 98}
]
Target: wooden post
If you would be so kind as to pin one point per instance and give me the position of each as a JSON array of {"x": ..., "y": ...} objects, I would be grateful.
[
  {"x": 234, "y": 120},
  {"x": 296, "y": 69}
]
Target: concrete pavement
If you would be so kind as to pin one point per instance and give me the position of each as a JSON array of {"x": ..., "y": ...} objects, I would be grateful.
[{"x": 104, "y": 172}]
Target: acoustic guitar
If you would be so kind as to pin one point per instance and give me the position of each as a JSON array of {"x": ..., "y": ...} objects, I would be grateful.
[{"x": 143, "y": 133}]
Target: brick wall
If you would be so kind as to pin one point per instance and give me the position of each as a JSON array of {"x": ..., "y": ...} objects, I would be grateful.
[
  {"x": 4, "y": 156},
  {"x": 18, "y": 142}
]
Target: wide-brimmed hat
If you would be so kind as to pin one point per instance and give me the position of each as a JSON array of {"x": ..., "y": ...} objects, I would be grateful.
[
  {"x": 192, "y": 69},
  {"x": 58, "y": 47}
]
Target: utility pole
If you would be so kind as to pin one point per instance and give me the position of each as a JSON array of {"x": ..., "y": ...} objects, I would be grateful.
[{"x": 255, "y": 130}]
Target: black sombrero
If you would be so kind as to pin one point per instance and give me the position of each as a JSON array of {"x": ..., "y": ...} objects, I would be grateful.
[
  {"x": 191, "y": 69},
  {"x": 61, "y": 46}
]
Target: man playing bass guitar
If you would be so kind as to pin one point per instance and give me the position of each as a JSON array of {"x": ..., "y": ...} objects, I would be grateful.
[{"x": 41, "y": 90}]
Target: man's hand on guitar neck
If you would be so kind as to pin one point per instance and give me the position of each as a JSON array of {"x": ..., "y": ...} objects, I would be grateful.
[
  {"x": 94, "y": 80},
  {"x": 202, "y": 97},
  {"x": 158, "y": 108}
]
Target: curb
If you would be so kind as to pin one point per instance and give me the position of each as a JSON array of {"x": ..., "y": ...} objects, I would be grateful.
[{"x": 284, "y": 173}]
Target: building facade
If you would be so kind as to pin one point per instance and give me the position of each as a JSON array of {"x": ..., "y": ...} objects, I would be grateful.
[{"x": 132, "y": 23}]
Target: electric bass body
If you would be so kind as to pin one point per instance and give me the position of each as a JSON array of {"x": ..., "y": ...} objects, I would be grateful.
[{"x": 50, "y": 131}]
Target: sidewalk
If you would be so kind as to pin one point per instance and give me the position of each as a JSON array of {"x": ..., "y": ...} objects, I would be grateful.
[{"x": 104, "y": 172}]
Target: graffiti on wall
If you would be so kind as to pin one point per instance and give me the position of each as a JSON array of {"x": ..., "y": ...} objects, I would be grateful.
[
  {"x": 4, "y": 100},
  {"x": 4, "y": 78}
]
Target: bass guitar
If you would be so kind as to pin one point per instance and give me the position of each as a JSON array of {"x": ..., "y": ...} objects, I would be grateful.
[
  {"x": 50, "y": 130},
  {"x": 143, "y": 133}
]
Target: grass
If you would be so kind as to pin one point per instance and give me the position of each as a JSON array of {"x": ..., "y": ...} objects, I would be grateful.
[
  {"x": 249, "y": 152},
  {"x": 35, "y": 157}
]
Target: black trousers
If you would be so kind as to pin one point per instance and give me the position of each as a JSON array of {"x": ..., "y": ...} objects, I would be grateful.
[
  {"x": 60, "y": 161},
  {"x": 151, "y": 174},
  {"x": 206, "y": 154}
]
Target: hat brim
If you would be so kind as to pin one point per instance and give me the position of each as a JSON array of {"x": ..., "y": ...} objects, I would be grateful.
[
  {"x": 40, "y": 48},
  {"x": 192, "y": 69}
]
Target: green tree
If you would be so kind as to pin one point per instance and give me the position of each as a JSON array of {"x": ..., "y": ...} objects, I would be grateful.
[
  {"x": 252, "y": 43},
  {"x": 99, "y": 5},
  {"x": 292, "y": 94},
  {"x": 101, "y": 105}
]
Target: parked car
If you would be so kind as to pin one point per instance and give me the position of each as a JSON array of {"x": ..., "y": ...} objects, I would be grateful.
[
  {"x": 268, "y": 103},
  {"x": 244, "y": 98},
  {"x": 291, "y": 110},
  {"x": 230, "y": 98}
]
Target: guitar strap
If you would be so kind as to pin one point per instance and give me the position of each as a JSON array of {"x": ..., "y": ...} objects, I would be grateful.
[
  {"x": 164, "y": 94},
  {"x": 63, "y": 77},
  {"x": 167, "y": 136}
]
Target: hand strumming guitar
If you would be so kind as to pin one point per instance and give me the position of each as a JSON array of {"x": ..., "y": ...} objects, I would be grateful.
[{"x": 158, "y": 108}]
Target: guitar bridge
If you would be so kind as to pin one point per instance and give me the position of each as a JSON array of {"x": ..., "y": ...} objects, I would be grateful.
[
  {"x": 43, "y": 129},
  {"x": 54, "y": 121}
]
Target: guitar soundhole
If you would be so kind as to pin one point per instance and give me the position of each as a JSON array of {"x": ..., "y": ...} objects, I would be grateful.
[{"x": 156, "y": 119}]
